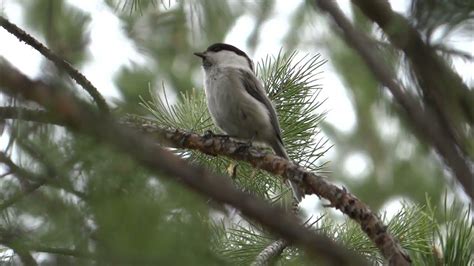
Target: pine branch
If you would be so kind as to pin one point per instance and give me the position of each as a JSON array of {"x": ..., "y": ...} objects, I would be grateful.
[
  {"x": 58, "y": 61},
  {"x": 309, "y": 182},
  {"x": 79, "y": 117},
  {"x": 216, "y": 145},
  {"x": 291, "y": 83},
  {"x": 424, "y": 120},
  {"x": 190, "y": 113}
]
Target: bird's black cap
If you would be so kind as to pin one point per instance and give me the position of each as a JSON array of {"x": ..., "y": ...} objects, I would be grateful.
[
  {"x": 216, "y": 47},
  {"x": 224, "y": 46}
]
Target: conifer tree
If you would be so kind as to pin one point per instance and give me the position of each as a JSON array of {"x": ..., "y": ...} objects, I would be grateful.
[{"x": 141, "y": 180}]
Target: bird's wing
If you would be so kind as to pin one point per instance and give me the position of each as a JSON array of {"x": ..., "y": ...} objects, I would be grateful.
[{"x": 254, "y": 87}]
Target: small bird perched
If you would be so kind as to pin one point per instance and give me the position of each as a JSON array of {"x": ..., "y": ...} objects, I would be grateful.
[{"x": 237, "y": 100}]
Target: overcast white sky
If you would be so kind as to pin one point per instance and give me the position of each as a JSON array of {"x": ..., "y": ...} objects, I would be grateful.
[{"x": 105, "y": 29}]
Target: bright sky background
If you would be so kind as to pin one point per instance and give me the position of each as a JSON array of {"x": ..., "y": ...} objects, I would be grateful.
[{"x": 105, "y": 29}]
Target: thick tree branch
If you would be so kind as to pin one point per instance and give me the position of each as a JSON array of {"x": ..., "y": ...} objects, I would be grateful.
[
  {"x": 423, "y": 120},
  {"x": 79, "y": 117},
  {"x": 58, "y": 61}
]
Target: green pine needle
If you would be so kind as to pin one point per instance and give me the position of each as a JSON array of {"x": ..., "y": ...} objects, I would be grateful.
[{"x": 292, "y": 85}]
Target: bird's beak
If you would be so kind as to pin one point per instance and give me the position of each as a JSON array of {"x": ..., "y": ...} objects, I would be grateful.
[{"x": 202, "y": 55}]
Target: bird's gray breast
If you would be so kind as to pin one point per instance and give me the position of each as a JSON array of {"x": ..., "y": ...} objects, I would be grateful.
[{"x": 233, "y": 110}]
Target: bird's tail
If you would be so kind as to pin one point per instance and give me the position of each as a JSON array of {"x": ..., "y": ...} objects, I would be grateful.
[{"x": 280, "y": 150}]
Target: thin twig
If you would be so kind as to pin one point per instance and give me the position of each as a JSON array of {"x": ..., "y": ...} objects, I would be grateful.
[
  {"x": 270, "y": 252},
  {"x": 58, "y": 61},
  {"x": 79, "y": 117},
  {"x": 275, "y": 248}
]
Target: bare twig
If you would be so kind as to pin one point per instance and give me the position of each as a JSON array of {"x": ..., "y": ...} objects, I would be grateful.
[
  {"x": 79, "y": 117},
  {"x": 270, "y": 252},
  {"x": 58, "y": 61},
  {"x": 423, "y": 120}
]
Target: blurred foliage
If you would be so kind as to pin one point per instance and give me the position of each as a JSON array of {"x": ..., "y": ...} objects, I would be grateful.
[
  {"x": 63, "y": 27},
  {"x": 98, "y": 203},
  {"x": 415, "y": 226},
  {"x": 398, "y": 165}
]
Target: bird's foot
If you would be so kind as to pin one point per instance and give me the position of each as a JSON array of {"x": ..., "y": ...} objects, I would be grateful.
[{"x": 245, "y": 145}]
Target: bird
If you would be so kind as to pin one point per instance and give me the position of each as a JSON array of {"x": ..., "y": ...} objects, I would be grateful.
[{"x": 237, "y": 101}]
